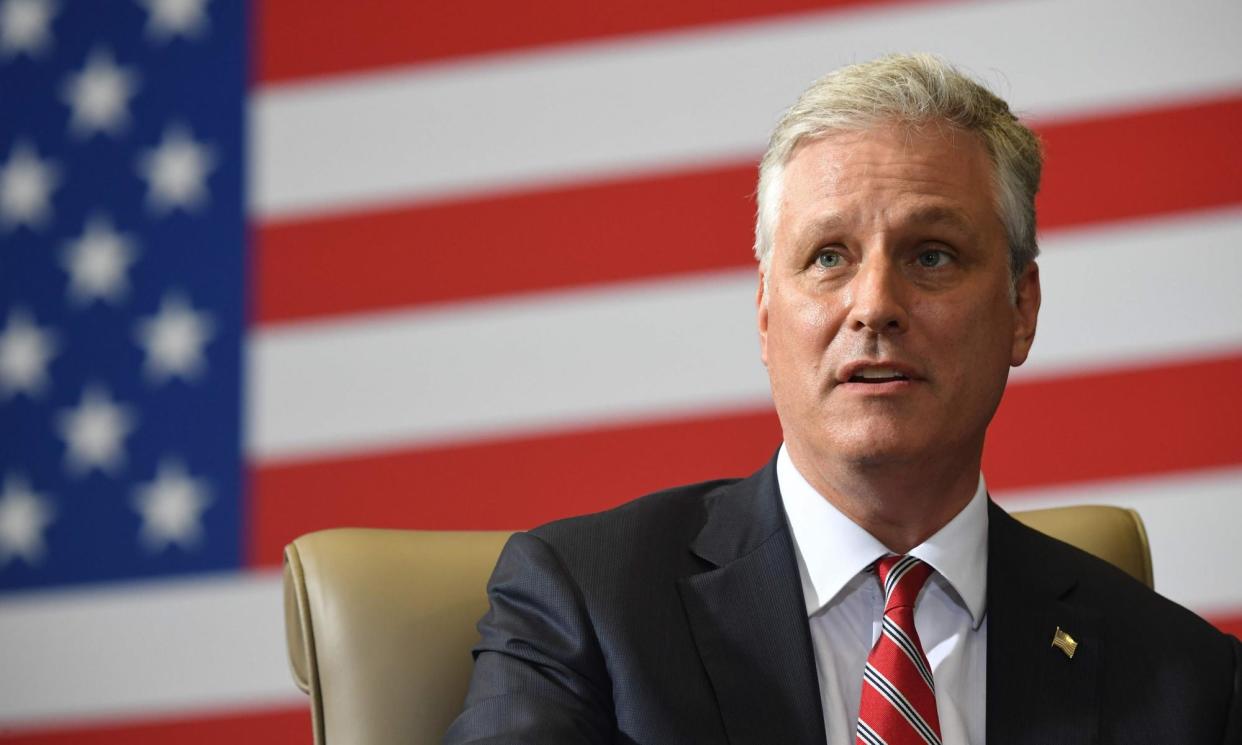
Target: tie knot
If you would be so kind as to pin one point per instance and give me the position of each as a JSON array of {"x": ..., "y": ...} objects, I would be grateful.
[{"x": 902, "y": 577}]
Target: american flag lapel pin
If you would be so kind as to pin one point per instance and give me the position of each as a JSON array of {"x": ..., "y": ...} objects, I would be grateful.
[{"x": 1064, "y": 642}]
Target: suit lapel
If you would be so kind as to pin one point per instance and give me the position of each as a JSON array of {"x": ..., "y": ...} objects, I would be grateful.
[
  {"x": 749, "y": 619},
  {"x": 1036, "y": 693}
]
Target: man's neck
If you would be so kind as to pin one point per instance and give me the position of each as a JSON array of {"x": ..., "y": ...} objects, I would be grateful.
[{"x": 901, "y": 504}]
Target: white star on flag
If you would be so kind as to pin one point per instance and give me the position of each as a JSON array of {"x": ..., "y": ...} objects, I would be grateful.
[
  {"x": 97, "y": 262},
  {"x": 26, "y": 185},
  {"x": 94, "y": 432},
  {"x": 171, "y": 507},
  {"x": 99, "y": 95},
  {"x": 24, "y": 27},
  {"x": 24, "y": 515},
  {"x": 25, "y": 351},
  {"x": 174, "y": 339},
  {"x": 176, "y": 171},
  {"x": 169, "y": 18}
]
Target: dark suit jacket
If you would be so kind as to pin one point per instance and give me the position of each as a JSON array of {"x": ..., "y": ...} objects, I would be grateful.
[{"x": 679, "y": 618}]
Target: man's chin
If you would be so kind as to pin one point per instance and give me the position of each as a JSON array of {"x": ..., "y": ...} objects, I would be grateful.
[
  {"x": 876, "y": 445},
  {"x": 881, "y": 454}
]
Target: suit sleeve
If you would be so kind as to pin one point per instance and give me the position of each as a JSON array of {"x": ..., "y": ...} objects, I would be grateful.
[{"x": 539, "y": 676}]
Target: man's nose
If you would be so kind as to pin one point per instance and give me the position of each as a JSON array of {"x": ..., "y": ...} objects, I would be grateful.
[{"x": 877, "y": 300}]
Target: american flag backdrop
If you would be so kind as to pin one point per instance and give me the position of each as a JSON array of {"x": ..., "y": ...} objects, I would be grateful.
[{"x": 274, "y": 267}]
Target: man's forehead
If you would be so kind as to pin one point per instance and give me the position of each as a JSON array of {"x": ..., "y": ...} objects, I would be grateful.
[
  {"x": 865, "y": 152},
  {"x": 934, "y": 177}
]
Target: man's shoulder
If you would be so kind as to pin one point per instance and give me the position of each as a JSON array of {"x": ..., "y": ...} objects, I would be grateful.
[
  {"x": 1133, "y": 608},
  {"x": 1150, "y": 648},
  {"x": 638, "y": 549},
  {"x": 673, "y": 515}
]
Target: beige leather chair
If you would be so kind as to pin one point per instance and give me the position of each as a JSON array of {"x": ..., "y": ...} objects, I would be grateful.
[{"x": 380, "y": 623}]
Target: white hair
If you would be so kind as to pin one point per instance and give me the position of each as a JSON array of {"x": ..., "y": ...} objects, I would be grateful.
[{"x": 912, "y": 90}]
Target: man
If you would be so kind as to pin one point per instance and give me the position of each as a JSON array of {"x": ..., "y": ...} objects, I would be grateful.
[{"x": 861, "y": 587}]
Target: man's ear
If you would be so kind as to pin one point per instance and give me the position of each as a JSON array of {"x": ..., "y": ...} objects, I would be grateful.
[
  {"x": 1026, "y": 313},
  {"x": 761, "y": 309}
]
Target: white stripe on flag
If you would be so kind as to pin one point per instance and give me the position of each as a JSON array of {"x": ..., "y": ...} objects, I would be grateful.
[
  {"x": 664, "y": 101},
  {"x": 144, "y": 648},
  {"x": 567, "y": 358},
  {"x": 1147, "y": 291}
]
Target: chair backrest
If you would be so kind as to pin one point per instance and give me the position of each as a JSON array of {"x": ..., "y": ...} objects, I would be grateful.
[
  {"x": 379, "y": 626},
  {"x": 379, "y": 623},
  {"x": 1114, "y": 534}
]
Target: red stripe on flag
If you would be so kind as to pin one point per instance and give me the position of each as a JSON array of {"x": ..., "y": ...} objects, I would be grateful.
[
  {"x": 440, "y": 252},
  {"x": 272, "y": 726},
  {"x": 306, "y": 38},
  {"x": 1128, "y": 423},
  {"x": 1157, "y": 420},
  {"x": 1140, "y": 164},
  {"x": 501, "y": 485}
]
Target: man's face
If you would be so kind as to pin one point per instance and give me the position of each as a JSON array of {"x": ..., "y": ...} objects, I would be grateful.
[{"x": 886, "y": 324}]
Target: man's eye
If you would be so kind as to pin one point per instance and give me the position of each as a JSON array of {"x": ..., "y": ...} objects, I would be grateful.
[
  {"x": 933, "y": 259},
  {"x": 828, "y": 260}
]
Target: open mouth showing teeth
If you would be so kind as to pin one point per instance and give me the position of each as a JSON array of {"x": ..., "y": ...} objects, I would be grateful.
[{"x": 877, "y": 376}]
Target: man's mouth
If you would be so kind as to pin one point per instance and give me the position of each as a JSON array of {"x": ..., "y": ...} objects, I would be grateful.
[{"x": 877, "y": 375}]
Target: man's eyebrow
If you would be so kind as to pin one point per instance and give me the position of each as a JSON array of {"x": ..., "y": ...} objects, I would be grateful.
[
  {"x": 813, "y": 229},
  {"x": 930, "y": 215},
  {"x": 939, "y": 215}
]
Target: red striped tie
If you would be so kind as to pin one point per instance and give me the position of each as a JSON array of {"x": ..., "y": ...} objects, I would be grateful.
[{"x": 898, "y": 694}]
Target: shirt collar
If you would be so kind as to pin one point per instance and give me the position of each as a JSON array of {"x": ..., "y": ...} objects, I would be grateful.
[{"x": 832, "y": 549}]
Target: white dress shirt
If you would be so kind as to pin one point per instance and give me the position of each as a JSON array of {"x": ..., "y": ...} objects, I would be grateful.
[{"x": 845, "y": 607}]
